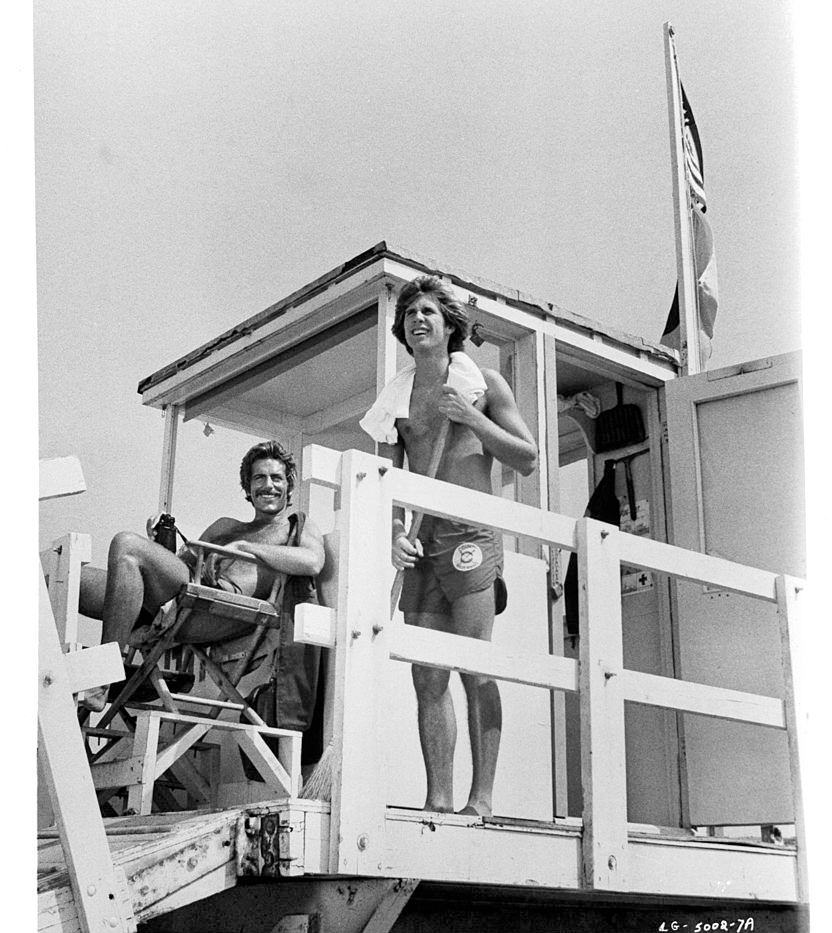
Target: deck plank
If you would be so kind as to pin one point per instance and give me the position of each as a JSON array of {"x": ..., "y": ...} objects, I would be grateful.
[{"x": 163, "y": 856}]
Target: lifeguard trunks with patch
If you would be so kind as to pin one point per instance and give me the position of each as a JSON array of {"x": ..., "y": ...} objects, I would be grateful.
[{"x": 458, "y": 560}]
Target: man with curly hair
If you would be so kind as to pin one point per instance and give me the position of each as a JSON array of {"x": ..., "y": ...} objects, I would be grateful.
[
  {"x": 453, "y": 571},
  {"x": 142, "y": 575}
]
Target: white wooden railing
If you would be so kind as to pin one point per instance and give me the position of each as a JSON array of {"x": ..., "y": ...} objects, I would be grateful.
[
  {"x": 365, "y": 640},
  {"x": 100, "y": 891}
]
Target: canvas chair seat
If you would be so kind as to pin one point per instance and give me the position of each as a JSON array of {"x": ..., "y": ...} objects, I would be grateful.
[{"x": 217, "y": 616}]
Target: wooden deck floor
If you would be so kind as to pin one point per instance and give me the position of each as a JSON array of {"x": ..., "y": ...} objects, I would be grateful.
[
  {"x": 168, "y": 860},
  {"x": 171, "y": 860}
]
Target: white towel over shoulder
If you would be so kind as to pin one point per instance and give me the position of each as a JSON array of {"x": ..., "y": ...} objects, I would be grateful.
[{"x": 394, "y": 400}]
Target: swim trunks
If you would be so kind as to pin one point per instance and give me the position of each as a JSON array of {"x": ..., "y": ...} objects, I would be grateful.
[{"x": 458, "y": 560}]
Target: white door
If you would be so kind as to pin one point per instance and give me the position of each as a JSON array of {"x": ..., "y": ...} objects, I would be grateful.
[{"x": 735, "y": 444}]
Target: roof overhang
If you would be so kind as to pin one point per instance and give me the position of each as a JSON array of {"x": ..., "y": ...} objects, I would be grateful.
[{"x": 353, "y": 287}]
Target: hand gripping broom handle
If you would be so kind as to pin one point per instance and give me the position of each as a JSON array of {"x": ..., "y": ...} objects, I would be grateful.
[{"x": 416, "y": 524}]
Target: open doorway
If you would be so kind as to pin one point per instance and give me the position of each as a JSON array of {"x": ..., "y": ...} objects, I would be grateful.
[{"x": 628, "y": 479}]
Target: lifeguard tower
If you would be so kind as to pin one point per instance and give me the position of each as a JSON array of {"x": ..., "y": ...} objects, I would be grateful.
[{"x": 649, "y": 764}]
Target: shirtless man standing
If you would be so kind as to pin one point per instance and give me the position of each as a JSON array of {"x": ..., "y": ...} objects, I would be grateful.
[
  {"x": 142, "y": 575},
  {"x": 453, "y": 571}
]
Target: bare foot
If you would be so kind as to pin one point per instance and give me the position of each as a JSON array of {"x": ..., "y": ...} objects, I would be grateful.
[
  {"x": 437, "y": 808},
  {"x": 94, "y": 699},
  {"x": 471, "y": 809}
]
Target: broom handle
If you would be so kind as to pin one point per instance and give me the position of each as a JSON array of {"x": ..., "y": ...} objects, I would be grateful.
[{"x": 416, "y": 524}]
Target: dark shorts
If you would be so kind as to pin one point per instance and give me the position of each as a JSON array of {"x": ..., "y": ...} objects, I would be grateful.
[
  {"x": 146, "y": 616},
  {"x": 458, "y": 560},
  {"x": 216, "y": 583}
]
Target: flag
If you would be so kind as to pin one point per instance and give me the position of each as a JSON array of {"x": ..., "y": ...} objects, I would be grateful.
[
  {"x": 704, "y": 262},
  {"x": 694, "y": 163},
  {"x": 707, "y": 297}
]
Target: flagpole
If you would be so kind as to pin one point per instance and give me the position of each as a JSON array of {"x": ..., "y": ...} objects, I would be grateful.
[{"x": 688, "y": 317}]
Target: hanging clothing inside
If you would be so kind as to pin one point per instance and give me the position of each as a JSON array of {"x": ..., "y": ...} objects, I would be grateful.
[{"x": 603, "y": 507}]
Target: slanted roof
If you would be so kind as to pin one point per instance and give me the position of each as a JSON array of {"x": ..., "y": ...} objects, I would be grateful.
[{"x": 381, "y": 250}]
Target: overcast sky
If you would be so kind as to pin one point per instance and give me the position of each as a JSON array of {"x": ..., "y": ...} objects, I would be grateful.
[{"x": 196, "y": 161}]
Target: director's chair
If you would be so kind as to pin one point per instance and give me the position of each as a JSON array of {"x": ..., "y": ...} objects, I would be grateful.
[{"x": 229, "y": 635}]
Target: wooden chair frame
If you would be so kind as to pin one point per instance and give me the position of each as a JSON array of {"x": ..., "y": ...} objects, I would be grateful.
[{"x": 134, "y": 759}]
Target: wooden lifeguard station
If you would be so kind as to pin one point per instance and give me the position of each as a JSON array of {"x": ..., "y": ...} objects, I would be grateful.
[{"x": 649, "y": 765}]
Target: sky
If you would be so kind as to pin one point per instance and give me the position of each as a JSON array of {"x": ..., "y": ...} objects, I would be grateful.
[{"x": 196, "y": 161}]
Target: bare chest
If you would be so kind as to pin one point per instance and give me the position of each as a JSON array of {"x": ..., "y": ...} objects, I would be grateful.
[
  {"x": 264, "y": 534},
  {"x": 424, "y": 418}
]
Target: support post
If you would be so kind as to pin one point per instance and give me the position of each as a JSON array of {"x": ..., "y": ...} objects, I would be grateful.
[
  {"x": 358, "y": 783},
  {"x": 529, "y": 392},
  {"x": 385, "y": 341},
  {"x": 686, "y": 274},
  {"x": 603, "y": 772},
  {"x": 791, "y": 630},
  {"x": 549, "y": 442},
  {"x": 146, "y": 746},
  {"x": 172, "y": 418}
]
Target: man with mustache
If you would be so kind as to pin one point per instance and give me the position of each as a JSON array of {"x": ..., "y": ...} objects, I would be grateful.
[{"x": 142, "y": 575}]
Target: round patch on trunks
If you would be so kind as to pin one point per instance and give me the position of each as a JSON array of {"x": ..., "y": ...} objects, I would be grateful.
[{"x": 467, "y": 557}]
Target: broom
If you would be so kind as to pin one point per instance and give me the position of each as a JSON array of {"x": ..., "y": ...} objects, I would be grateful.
[{"x": 319, "y": 785}]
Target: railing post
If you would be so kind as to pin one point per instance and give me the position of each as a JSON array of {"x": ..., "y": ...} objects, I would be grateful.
[
  {"x": 73, "y": 550},
  {"x": 358, "y": 782},
  {"x": 789, "y": 616},
  {"x": 603, "y": 773},
  {"x": 97, "y": 886}
]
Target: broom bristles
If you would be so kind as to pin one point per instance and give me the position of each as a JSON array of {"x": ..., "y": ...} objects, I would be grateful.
[{"x": 319, "y": 785}]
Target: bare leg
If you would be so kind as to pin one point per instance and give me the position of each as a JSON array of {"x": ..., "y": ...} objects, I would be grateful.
[
  {"x": 437, "y": 721},
  {"x": 473, "y": 615},
  {"x": 92, "y": 591},
  {"x": 139, "y": 573}
]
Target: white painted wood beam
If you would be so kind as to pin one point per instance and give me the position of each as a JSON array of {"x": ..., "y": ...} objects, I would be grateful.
[
  {"x": 322, "y": 465},
  {"x": 61, "y": 476},
  {"x": 603, "y": 750},
  {"x": 336, "y": 414},
  {"x": 703, "y": 699},
  {"x": 95, "y": 885},
  {"x": 592, "y": 345},
  {"x": 791, "y": 618},
  {"x": 471, "y": 656},
  {"x": 71, "y": 552},
  {"x": 273, "y": 418},
  {"x": 315, "y": 625},
  {"x": 173, "y": 416},
  {"x": 436, "y": 497},
  {"x": 386, "y": 343},
  {"x": 93, "y": 667},
  {"x": 358, "y": 798},
  {"x": 294, "y": 325},
  {"x": 645, "y": 553}
]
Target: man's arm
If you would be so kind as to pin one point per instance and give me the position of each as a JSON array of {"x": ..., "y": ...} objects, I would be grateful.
[
  {"x": 304, "y": 560},
  {"x": 216, "y": 533},
  {"x": 502, "y": 431},
  {"x": 222, "y": 526},
  {"x": 403, "y": 553}
]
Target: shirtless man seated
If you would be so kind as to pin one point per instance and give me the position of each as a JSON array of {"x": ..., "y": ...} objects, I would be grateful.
[
  {"x": 142, "y": 575},
  {"x": 453, "y": 576}
]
